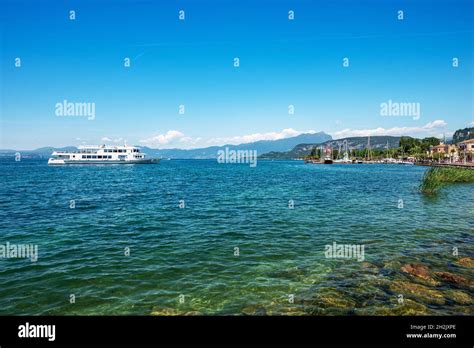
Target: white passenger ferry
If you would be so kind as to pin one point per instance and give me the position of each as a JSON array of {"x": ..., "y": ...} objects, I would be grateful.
[{"x": 101, "y": 154}]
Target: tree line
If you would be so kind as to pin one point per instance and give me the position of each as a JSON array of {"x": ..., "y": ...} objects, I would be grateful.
[{"x": 408, "y": 147}]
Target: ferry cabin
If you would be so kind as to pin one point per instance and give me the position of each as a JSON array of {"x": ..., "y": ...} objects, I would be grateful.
[{"x": 102, "y": 153}]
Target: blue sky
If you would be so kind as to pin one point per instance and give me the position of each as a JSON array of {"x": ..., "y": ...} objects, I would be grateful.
[{"x": 190, "y": 63}]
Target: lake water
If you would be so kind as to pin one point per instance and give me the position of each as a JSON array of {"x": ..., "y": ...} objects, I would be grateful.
[{"x": 236, "y": 247}]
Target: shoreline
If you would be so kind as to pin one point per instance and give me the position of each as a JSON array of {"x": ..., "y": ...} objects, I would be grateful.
[{"x": 447, "y": 165}]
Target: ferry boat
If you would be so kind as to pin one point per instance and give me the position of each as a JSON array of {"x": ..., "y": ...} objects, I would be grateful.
[{"x": 101, "y": 154}]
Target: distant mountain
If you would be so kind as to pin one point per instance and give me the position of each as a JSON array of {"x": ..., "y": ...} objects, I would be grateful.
[
  {"x": 359, "y": 143},
  {"x": 43, "y": 152},
  {"x": 262, "y": 147},
  {"x": 463, "y": 134}
]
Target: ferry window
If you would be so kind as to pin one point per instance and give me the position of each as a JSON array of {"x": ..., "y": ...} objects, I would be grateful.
[
  {"x": 110, "y": 157},
  {"x": 84, "y": 156},
  {"x": 94, "y": 156},
  {"x": 89, "y": 156},
  {"x": 99, "y": 156},
  {"x": 115, "y": 150}
]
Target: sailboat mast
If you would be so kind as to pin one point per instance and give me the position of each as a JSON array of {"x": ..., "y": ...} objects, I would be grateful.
[{"x": 368, "y": 148}]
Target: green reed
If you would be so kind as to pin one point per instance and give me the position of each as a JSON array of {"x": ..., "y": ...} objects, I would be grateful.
[{"x": 437, "y": 177}]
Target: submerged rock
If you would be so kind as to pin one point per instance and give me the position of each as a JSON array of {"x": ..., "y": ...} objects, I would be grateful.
[
  {"x": 453, "y": 278},
  {"x": 393, "y": 264},
  {"x": 459, "y": 296},
  {"x": 466, "y": 262},
  {"x": 277, "y": 308},
  {"x": 338, "y": 302},
  {"x": 418, "y": 291},
  {"x": 254, "y": 310},
  {"x": 331, "y": 302},
  {"x": 420, "y": 271},
  {"x": 172, "y": 312},
  {"x": 408, "y": 307},
  {"x": 369, "y": 265},
  {"x": 291, "y": 311},
  {"x": 463, "y": 309}
]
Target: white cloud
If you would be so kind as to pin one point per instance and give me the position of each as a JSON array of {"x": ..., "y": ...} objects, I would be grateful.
[
  {"x": 242, "y": 139},
  {"x": 471, "y": 123},
  {"x": 429, "y": 129},
  {"x": 169, "y": 137},
  {"x": 175, "y": 138},
  {"x": 189, "y": 140},
  {"x": 109, "y": 140}
]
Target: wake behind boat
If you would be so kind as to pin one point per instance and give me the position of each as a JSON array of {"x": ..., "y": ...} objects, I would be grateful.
[{"x": 102, "y": 154}]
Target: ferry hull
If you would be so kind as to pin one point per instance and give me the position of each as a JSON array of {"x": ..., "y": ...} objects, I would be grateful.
[{"x": 52, "y": 161}]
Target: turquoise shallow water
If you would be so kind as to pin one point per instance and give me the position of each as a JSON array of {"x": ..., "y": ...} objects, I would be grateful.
[{"x": 190, "y": 251}]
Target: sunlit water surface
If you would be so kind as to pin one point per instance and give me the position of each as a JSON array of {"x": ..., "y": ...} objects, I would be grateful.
[{"x": 191, "y": 251}]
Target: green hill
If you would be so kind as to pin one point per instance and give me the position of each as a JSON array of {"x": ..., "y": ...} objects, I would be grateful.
[{"x": 357, "y": 143}]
